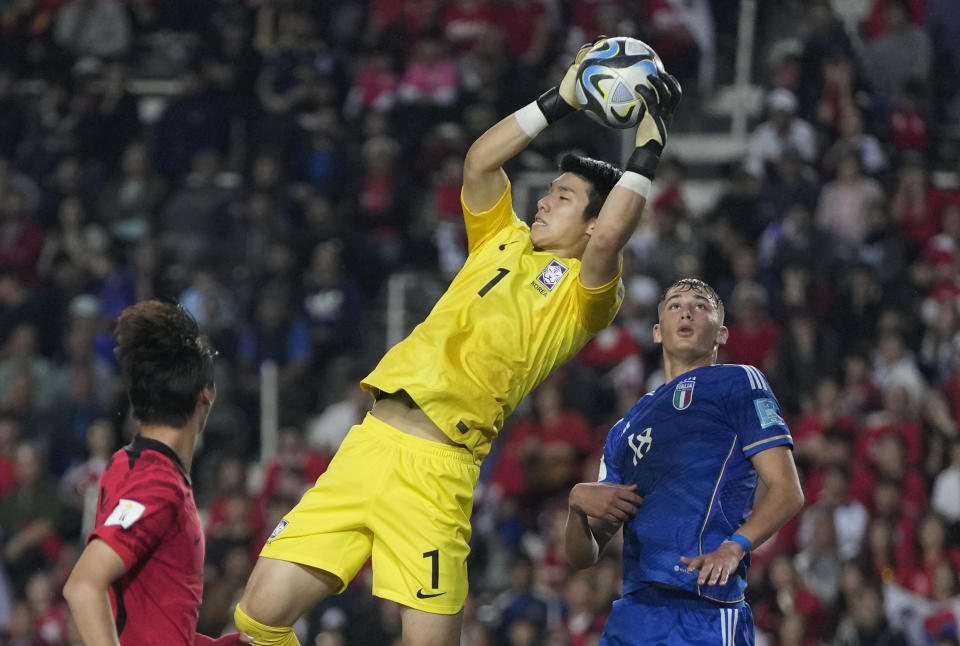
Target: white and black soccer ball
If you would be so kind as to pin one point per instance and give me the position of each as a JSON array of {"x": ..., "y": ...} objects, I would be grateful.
[{"x": 608, "y": 76}]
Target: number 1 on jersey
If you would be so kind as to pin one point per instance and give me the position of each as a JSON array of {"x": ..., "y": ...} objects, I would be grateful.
[{"x": 501, "y": 272}]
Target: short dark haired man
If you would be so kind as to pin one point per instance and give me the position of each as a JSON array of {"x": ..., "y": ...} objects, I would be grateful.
[
  {"x": 679, "y": 474},
  {"x": 139, "y": 580}
]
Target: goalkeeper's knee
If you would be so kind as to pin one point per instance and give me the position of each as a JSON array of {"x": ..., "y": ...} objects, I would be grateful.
[{"x": 262, "y": 634}]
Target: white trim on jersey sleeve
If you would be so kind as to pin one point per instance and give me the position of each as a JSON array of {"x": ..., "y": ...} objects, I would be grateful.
[{"x": 756, "y": 378}]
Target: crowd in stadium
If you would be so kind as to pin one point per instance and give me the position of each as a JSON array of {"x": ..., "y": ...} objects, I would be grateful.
[{"x": 271, "y": 163}]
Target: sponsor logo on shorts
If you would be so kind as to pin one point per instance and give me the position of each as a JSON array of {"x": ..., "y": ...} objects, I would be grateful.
[
  {"x": 276, "y": 530},
  {"x": 423, "y": 595}
]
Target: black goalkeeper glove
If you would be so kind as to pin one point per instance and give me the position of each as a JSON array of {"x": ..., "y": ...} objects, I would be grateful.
[{"x": 660, "y": 103}]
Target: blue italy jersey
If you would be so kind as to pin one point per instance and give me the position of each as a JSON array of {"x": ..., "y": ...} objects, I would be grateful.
[{"x": 687, "y": 447}]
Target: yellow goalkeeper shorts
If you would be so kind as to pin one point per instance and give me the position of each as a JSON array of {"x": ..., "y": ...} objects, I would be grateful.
[{"x": 400, "y": 499}]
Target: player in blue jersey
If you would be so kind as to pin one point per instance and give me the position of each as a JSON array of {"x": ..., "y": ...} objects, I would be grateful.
[{"x": 679, "y": 474}]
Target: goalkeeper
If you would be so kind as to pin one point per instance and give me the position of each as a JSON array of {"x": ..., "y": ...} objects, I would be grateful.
[{"x": 400, "y": 489}]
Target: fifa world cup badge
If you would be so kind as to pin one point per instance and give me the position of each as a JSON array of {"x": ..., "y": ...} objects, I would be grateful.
[{"x": 683, "y": 393}]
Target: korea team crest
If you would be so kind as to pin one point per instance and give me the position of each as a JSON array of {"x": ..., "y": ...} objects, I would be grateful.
[
  {"x": 683, "y": 393},
  {"x": 552, "y": 274}
]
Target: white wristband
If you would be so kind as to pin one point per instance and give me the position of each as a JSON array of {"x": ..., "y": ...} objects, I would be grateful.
[
  {"x": 635, "y": 182},
  {"x": 531, "y": 119}
]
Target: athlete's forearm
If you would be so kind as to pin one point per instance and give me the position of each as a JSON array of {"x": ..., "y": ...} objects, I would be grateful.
[
  {"x": 782, "y": 495},
  {"x": 483, "y": 178},
  {"x": 500, "y": 143},
  {"x": 579, "y": 543},
  {"x": 92, "y": 614},
  {"x": 778, "y": 506},
  {"x": 511, "y": 135},
  {"x": 616, "y": 223}
]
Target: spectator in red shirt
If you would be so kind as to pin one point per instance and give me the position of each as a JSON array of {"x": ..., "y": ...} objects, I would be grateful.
[
  {"x": 410, "y": 18},
  {"x": 21, "y": 238},
  {"x": 375, "y": 86},
  {"x": 466, "y": 23},
  {"x": 940, "y": 259},
  {"x": 825, "y": 414},
  {"x": 951, "y": 387},
  {"x": 902, "y": 523},
  {"x": 787, "y": 594},
  {"x": 876, "y": 22},
  {"x": 444, "y": 216},
  {"x": 9, "y": 435},
  {"x": 859, "y": 394},
  {"x": 834, "y": 449},
  {"x": 932, "y": 550},
  {"x": 753, "y": 335},
  {"x": 589, "y": 17},
  {"x": 887, "y": 462},
  {"x": 231, "y": 479},
  {"x": 234, "y": 530},
  {"x": 526, "y": 28},
  {"x": 682, "y": 33},
  {"x": 612, "y": 346},
  {"x": 293, "y": 455},
  {"x": 877, "y": 557},
  {"x": 586, "y": 611},
  {"x": 21, "y": 628},
  {"x": 430, "y": 78},
  {"x": 899, "y": 418},
  {"x": 909, "y": 125},
  {"x": 140, "y": 578},
  {"x": 550, "y": 444},
  {"x": 913, "y": 204},
  {"x": 49, "y": 614}
]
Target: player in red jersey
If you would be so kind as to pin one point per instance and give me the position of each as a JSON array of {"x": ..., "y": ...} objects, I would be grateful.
[{"x": 139, "y": 580}]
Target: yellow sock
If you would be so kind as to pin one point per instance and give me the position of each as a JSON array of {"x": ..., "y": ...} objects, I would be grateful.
[{"x": 263, "y": 635}]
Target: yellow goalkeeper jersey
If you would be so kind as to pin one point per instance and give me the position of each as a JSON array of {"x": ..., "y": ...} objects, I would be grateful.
[{"x": 507, "y": 320}]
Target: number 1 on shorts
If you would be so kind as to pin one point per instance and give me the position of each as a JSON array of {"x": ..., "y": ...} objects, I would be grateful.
[{"x": 434, "y": 556}]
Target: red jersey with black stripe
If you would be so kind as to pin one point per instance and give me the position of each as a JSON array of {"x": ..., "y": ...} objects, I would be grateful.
[{"x": 147, "y": 514}]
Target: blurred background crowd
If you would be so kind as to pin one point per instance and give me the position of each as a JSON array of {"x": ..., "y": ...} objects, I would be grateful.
[{"x": 274, "y": 164}]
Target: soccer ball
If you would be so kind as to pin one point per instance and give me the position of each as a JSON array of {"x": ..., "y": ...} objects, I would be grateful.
[{"x": 608, "y": 77}]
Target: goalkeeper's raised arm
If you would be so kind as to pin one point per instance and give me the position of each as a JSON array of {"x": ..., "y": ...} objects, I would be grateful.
[
  {"x": 622, "y": 209},
  {"x": 483, "y": 178}
]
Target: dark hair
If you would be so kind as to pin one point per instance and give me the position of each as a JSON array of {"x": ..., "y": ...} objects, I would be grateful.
[
  {"x": 164, "y": 360},
  {"x": 697, "y": 285},
  {"x": 601, "y": 175},
  {"x": 843, "y": 470},
  {"x": 900, "y": 4}
]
